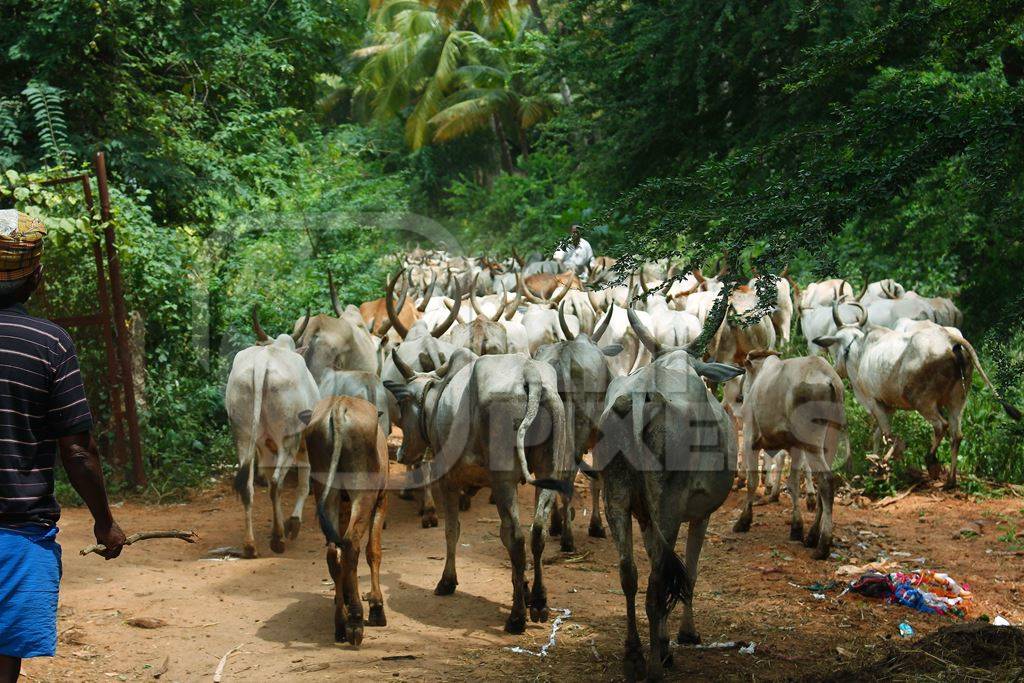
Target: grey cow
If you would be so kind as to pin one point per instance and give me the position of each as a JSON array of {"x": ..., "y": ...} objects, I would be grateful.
[
  {"x": 667, "y": 455},
  {"x": 491, "y": 421}
]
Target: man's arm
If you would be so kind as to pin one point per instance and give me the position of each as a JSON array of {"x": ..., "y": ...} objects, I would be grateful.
[{"x": 82, "y": 463}]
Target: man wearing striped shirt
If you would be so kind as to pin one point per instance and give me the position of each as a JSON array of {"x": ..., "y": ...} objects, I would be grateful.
[{"x": 43, "y": 412}]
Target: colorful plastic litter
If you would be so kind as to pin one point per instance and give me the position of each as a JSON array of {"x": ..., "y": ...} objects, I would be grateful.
[
  {"x": 924, "y": 590},
  {"x": 906, "y": 630}
]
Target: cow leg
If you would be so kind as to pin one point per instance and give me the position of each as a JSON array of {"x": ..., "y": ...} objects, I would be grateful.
[
  {"x": 277, "y": 528},
  {"x": 341, "y": 510},
  {"x": 246, "y": 492},
  {"x": 750, "y": 462},
  {"x": 466, "y": 500},
  {"x": 568, "y": 540},
  {"x": 939, "y": 428},
  {"x": 546, "y": 500},
  {"x": 796, "y": 520},
  {"x": 774, "y": 462},
  {"x": 407, "y": 494},
  {"x": 596, "y": 528},
  {"x": 621, "y": 525},
  {"x": 955, "y": 437},
  {"x": 362, "y": 511},
  {"x": 450, "y": 499},
  {"x": 694, "y": 542},
  {"x": 373, "y": 557},
  {"x": 820, "y": 535},
  {"x": 556, "y": 518},
  {"x": 428, "y": 511},
  {"x": 294, "y": 523},
  {"x": 657, "y": 598},
  {"x": 512, "y": 536},
  {"x": 810, "y": 493}
]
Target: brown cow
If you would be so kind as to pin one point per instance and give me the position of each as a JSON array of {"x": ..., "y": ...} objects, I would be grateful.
[
  {"x": 348, "y": 454},
  {"x": 375, "y": 313},
  {"x": 544, "y": 285}
]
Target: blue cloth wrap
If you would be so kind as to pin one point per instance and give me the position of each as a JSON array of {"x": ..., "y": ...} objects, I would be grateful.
[{"x": 30, "y": 571}]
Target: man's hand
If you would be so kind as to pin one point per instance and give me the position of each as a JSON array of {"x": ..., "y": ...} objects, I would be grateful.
[{"x": 111, "y": 537}]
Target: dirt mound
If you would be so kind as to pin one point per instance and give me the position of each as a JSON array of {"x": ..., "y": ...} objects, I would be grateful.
[{"x": 974, "y": 651}]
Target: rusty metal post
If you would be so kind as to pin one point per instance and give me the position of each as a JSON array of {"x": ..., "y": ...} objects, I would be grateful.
[{"x": 138, "y": 477}]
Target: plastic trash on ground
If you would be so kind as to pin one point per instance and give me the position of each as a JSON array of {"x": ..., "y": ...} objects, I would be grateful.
[
  {"x": 906, "y": 630},
  {"x": 924, "y": 590}
]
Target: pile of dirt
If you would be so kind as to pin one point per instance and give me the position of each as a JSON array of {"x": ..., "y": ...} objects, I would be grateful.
[{"x": 974, "y": 651}]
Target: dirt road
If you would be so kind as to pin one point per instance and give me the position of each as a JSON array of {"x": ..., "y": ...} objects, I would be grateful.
[{"x": 278, "y": 609}]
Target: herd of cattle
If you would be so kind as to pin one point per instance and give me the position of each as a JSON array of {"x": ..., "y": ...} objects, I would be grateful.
[{"x": 503, "y": 373}]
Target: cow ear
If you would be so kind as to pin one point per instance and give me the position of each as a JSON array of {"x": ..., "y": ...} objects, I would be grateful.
[
  {"x": 400, "y": 391},
  {"x": 305, "y": 416},
  {"x": 612, "y": 349},
  {"x": 717, "y": 372},
  {"x": 826, "y": 342}
]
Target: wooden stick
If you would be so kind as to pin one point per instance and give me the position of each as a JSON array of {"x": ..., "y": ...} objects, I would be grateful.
[
  {"x": 187, "y": 536},
  {"x": 223, "y": 661}
]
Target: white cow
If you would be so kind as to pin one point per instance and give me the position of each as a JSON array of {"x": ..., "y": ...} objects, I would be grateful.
[{"x": 268, "y": 387}]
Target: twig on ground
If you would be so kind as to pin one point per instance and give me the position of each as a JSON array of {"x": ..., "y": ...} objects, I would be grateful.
[
  {"x": 889, "y": 500},
  {"x": 223, "y": 661},
  {"x": 187, "y": 536}
]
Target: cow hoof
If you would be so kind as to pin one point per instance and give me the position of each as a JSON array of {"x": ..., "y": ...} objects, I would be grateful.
[
  {"x": 666, "y": 658},
  {"x": 820, "y": 553},
  {"x": 445, "y": 586},
  {"x": 796, "y": 533},
  {"x": 277, "y": 545},
  {"x": 249, "y": 551},
  {"x": 569, "y": 547},
  {"x": 339, "y": 633},
  {"x": 405, "y": 494},
  {"x": 354, "y": 633},
  {"x": 597, "y": 531},
  {"x": 742, "y": 525},
  {"x": 812, "y": 502},
  {"x": 429, "y": 520},
  {"x": 688, "y": 638},
  {"x": 515, "y": 624},
  {"x": 376, "y": 617},
  {"x": 539, "y": 615},
  {"x": 291, "y": 527},
  {"x": 634, "y": 667}
]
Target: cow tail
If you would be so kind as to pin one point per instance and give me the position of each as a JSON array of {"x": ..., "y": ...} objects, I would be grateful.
[
  {"x": 247, "y": 464},
  {"x": 334, "y": 427},
  {"x": 962, "y": 365},
  {"x": 675, "y": 578},
  {"x": 534, "y": 390}
]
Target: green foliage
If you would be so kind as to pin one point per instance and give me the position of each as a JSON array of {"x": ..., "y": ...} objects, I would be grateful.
[{"x": 46, "y": 103}]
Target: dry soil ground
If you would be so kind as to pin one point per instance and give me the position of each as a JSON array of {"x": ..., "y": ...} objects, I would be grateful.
[{"x": 277, "y": 610}]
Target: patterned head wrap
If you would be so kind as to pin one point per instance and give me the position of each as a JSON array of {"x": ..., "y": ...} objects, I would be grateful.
[{"x": 21, "y": 244}]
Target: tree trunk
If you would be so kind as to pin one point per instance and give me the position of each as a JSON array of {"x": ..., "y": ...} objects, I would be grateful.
[
  {"x": 535, "y": 8},
  {"x": 506, "y": 155},
  {"x": 524, "y": 143}
]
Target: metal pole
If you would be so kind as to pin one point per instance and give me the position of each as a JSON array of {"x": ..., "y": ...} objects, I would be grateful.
[
  {"x": 138, "y": 477},
  {"x": 114, "y": 391}
]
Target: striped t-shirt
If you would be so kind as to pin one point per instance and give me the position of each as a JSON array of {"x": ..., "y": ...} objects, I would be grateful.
[{"x": 41, "y": 399}]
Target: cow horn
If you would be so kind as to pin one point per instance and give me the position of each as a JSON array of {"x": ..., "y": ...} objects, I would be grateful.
[
  {"x": 643, "y": 282},
  {"x": 604, "y": 323},
  {"x": 563, "y": 324},
  {"x": 518, "y": 258},
  {"x": 296, "y": 336},
  {"x": 714, "y": 321},
  {"x": 785, "y": 272},
  {"x": 867, "y": 283},
  {"x": 429, "y": 293},
  {"x": 531, "y": 296},
  {"x": 407, "y": 372},
  {"x": 453, "y": 314},
  {"x": 382, "y": 332},
  {"x": 334, "y": 294},
  {"x": 510, "y": 312},
  {"x": 566, "y": 286},
  {"x": 472, "y": 294},
  {"x": 500, "y": 307},
  {"x": 256, "y": 327},
  {"x": 863, "y": 316},
  {"x": 645, "y": 336},
  {"x": 389, "y": 304},
  {"x": 724, "y": 262},
  {"x": 835, "y": 314},
  {"x": 594, "y": 304}
]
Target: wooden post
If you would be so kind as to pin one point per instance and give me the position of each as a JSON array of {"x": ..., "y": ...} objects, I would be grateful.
[{"x": 138, "y": 473}]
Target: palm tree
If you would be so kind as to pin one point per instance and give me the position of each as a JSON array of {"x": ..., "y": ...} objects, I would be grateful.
[{"x": 445, "y": 66}]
